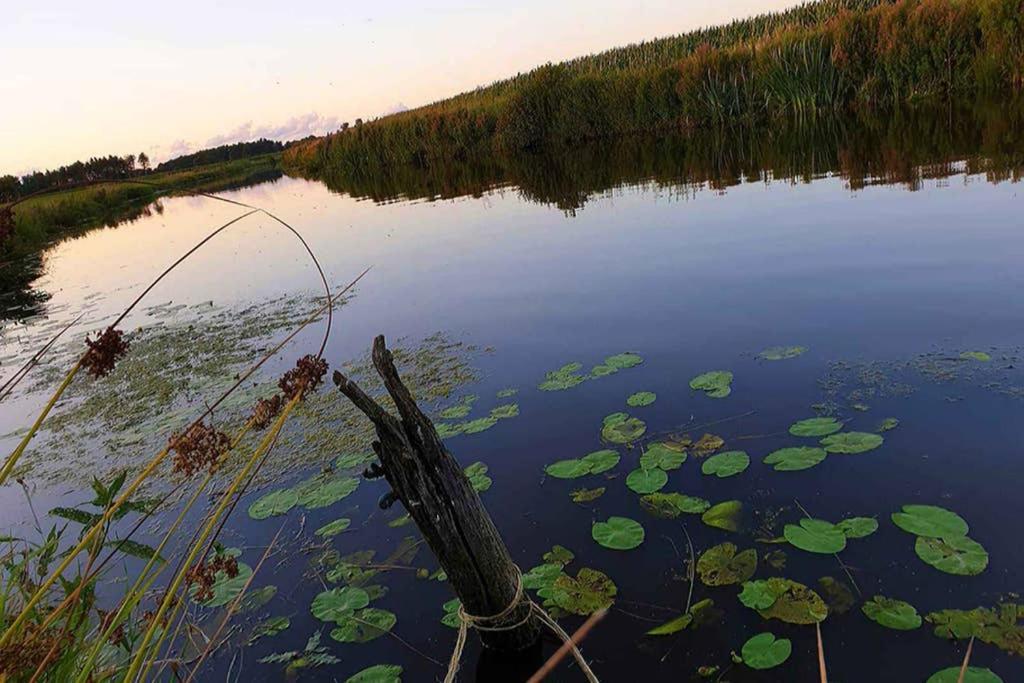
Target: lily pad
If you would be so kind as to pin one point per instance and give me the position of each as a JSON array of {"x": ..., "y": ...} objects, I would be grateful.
[
  {"x": 364, "y": 625},
  {"x": 559, "y": 555},
  {"x": 451, "y": 617},
  {"x": 334, "y": 528},
  {"x": 506, "y": 411},
  {"x": 622, "y": 361},
  {"x": 327, "y": 492},
  {"x": 723, "y": 566},
  {"x": 999, "y": 626},
  {"x": 641, "y": 398},
  {"x": 782, "y": 352},
  {"x": 795, "y": 458},
  {"x": 764, "y": 651},
  {"x": 542, "y": 575},
  {"x": 618, "y": 533},
  {"x": 563, "y": 378},
  {"x": 269, "y": 627},
  {"x": 660, "y": 456},
  {"x": 337, "y": 603},
  {"x": 726, "y": 464},
  {"x": 481, "y": 424},
  {"x": 958, "y": 555},
  {"x": 621, "y": 428},
  {"x": 584, "y": 594},
  {"x": 706, "y": 445},
  {"x": 568, "y": 469},
  {"x": 858, "y": 527},
  {"x": 378, "y": 673},
  {"x": 715, "y": 384},
  {"x": 456, "y": 412},
  {"x": 697, "y": 614},
  {"x": 894, "y": 614},
  {"x": 477, "y": 475},
  {"x": 225, "y": 588},
  {"x": 816, "y": 426},
  {"x": 852, "y": 442},
  {"x": 757, "y": 595},
  {"x": 725, "y": 515},
  {"x": 586, "y": 495},
  {"x": 974, "y": 674},
  {"x": 815, "y": 536},
  {"x": 671, "y": 505},
  {"x": 273, "y": 504},
  {"x": 976, "y": 355},
  {"x": 887, "y": 424},
  {"x": 646, "y": 481},
  {"x": 793, "y": 603},
  {"x": 930, "y": 521},
  {"x": 507, "y": 393},
  {"x": 601, "y": 461}
]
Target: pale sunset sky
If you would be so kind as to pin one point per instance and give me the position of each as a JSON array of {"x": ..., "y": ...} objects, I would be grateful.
[{"x": 85, "y": 79}]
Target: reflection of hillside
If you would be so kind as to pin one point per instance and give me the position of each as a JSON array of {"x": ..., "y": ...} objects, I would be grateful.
[{"x": 903, "y": 148}]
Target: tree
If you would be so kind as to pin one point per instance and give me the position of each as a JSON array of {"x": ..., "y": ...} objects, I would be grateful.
[{"x": 143, "y": 160}]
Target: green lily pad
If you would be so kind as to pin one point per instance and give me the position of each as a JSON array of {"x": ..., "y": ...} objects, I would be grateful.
[
  {"x": 715, "y": 384},
  {"x": 456, "y": 412},
  {"x": 477, "y": 475},
  {"x": 337, "y": 603},
  {"x": 795, "y": 458},
  {"x": 506, "y": 411},
  {"x": 601, "y": 370},
  {"x": 451, "y": 617},
  {"x": 976, "y": 355},
  {"x": 782, "y": 352},
  {"x": 930, "y": 521},
  {"x": 999, "y": 626},
  {"x": 618, "y": 533},
  {"x": 958, "y": 555},
  {"x": 622, "y": 361},
  {"x": 568, "y": 469},
  {"x": 621, "y": 428},
  {"x": 764, "y": 651},
  {"x": 852, "y": 442},
  {"x": 723, "y": 566},
  {"x": 378, "y": 673},
  {"x": 269, "y": 627},
  {"x": 351, "y": 460},
  {"x": 507, "y": 393},
  {"x": 225, "y": 588},
  {"x": 858, "y": 527},
  {"x": 446, "y": 430},
  {"x": 646, "y": 481},
  {"x": 726, "y": 464},
  {"x": 661, "y": 457},
  {"x": 785, "y": 600},
  {"x": 757, "y": 595},
  {"x": 894, "y": 614},
  {"x": 364, "y": 625},
  {"x": 481, "y": 424},
  {"x": 601, "y": 461},
  {"x": 586, "y": 495},
  {"x": 816, "y": 426},
  {"x": 887, "y": 424},
  {"x": 273, "y": 504},
  {"x": 559, "y": 555},
  {"x": 563, "y": 378},
  {"x": 974, "y": 674},
  {"x": 584, "y": 594},
  {"x": 641, "y": 398},
  {"x": 695, "y": 616},
  {"x": 327, "y": 492},
  {"x": 815, "y": 536},
  {"x": 542, "y": 575},
  {"x": 671, "y": 505},
  {"x": 706, "y": 445},
  {"x": 334, "y": 528},
  {"x": 725, "y": 515}
]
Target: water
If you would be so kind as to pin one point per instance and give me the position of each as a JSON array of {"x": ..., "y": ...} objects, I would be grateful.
[{"x": 692, "y": 279}]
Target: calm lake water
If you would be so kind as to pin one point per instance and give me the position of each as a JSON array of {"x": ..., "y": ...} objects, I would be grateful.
[{"x": 886, "y": 284}]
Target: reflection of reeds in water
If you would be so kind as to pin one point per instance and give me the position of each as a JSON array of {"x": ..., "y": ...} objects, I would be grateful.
[{"x": 62, "y": 639}]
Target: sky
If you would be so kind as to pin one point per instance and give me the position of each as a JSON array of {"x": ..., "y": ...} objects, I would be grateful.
[{"x": 85, "y": 79}]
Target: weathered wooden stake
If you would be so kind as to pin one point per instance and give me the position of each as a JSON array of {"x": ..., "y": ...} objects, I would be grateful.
[{"x": 439, "y": 498}]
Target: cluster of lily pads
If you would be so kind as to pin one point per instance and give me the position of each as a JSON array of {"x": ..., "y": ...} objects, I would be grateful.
[
  {"x": 462, "y": 409},
  {"x": 569, "y": 376}
]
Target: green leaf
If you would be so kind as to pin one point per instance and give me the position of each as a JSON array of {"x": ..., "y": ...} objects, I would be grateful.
[
  {"x": 976, "y": 355},
  {"x": 782, "y": 352},
  {"x": 931, "y": 521},
  {"x": 721, "y": 565},
  {"x": 618, "y": 533},
  {"x": 641, "y": 398},
  {"x": 585, "y": 594},
  {"x": 999, "y": 626},
  {"x": 816, "y": 426},
  {"x": 326, "y": 492},
  {"x": 456, "y": 412},
  {"x": 815, "y": 536},
  {"x": 958, "y": 555},
  {"x": 586, "y": 495},
  {"x": 269, "y": 627},
  {"x": 793, "y": 603},
  {"x": 506, "y": 411},
  {"x": 662, "y": 457},
  {"x": 622, "y": 361},
  {"x": 451, "y": 617},
  {"x": 133, "y": 548},
  {"x": 795, "y": 459},
  {"x": 757, "y": 595},
  {"x": 226, "y": 589},
  {"x": 542, "y": 575},
  {"x": 726, "y": 464},
  {"x": 477, "y": 475},
  {"x": 337, "y": 603},
  {"x": 559, "y": 555},
  {"x": 672, "y": 626},
  {"x": 75, "y": 515},
  {"x": 646, "y": 481},
  {"x": 858, "y": 527},
  {"x": 974, "y": 674},
  {"x": 273, "y": 504},
  {"x": 568, "y": 469},
  {"x": 620, "y": 428},
  {"x": 852, "y": 442},
  {"x": 888, "y": 424},
  {"x": 478, "y": 425},
  {"x": 671, "y": 505},
  {"x": 378, "y": 673},
  {"x": 600, "y": 461},
  {"x": 725, "y": 515},
  {"x": 351, "y": 460},
  {"x": 334, "y": 528},
  {"x": 563, "y": 378},
  {"x": 715, "y": 384},
  {"x": 364, "y": 625},
  {"x": 894, "y": 614},
  {"x": 764, "y": 651},
  {"x": 254, "y": 599}
]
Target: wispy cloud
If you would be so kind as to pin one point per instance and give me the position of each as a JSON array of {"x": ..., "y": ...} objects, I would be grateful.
[{"x": 292, "y": 129}]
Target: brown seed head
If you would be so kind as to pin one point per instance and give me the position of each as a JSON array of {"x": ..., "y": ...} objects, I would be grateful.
[
  {"x": 104, "y": 352},
  {"x": 204, "y": 575},
  {"x": 265, "y": 410},
  {"x": 306, "y": 376},
  {"x": 199, "y": 448}
]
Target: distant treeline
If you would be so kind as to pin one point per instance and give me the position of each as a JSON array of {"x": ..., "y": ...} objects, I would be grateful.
[
  {"x": 815, "y": 59},
  {"x": 98, "y": 168},
  {"x": 214, "y": 155}
]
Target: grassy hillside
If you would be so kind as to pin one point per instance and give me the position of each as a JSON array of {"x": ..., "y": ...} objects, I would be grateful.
[{"x": 814, "y": 59}]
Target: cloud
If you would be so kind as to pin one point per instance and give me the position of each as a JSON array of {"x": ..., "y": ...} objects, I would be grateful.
[
  {"x": 292, "y": 129},
  {"x": 396, "y": 108}
]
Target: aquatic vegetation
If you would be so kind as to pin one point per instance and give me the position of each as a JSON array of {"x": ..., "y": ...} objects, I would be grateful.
[
  {"x": 973, "y": 674},
  {"x": 592, "y": 463},
  {"x": 507, "y": 393},
  {"x": 815, "y": 536},
  {"x": 999, "y": 626},
  {"x": 584, "y": 594},
  {"x": 725, "y": 515},
  {"x": 930, "y": 521},
  {"x": 838, "y": 595},
  {"x": 776, "y": 559},
  {"x": 478, "y": 425},
  {"x": 785, "y": 600},
  {"x": 621, "y": 428},
  {"x": 641, "y": 398},
  {"x": 858, "y": 527},
  {"x": 795, "y": 458},
  {"x": 980, "y": 356},
  {"x": 312, "y": 656},
  {"x": 706, "y": 445},
  {"x": 782, "y": 352},
  {"x": 273, "y": 504},
  {"x": 646, "y": 481},
  {"x": 894, "y": 614},
  {"x": 563, "y": 378},
  {"x": 225, "y": 588},
  {"x": 727, "y": 464},
  {"x": 320, "y": 492},
  {"x": 336, "y": 604},
  {"x": 955, "y": 555},
  {"x": 506, "y": 411},
  {"x": 364, "y": 625},
  {"x": 623, "y": 361},
  {"x": 671, "y": 505},
  {"x": 269, "y": 627},
  {"x": 456, "y": 412},
  {"x": 334, "y": 528},
  {"x": 378, "y": 673},
  {"x": 816, "y": 426},
  {"x": 765, "y": 651},
  {"x": 852, "y": 442},
  {"x": 618, "y": 533},
  {"x": 662, "y": 457},
  {"x": 559, "y": 555},
  {"x": 697, "y": 614},
  {"x": 451, "y": 617},
  {"x": 601, "y": 461},
  {"x": 477, "y": 475},
  {"x": 581, "y": 496},
  {"x": 888, "y": 424},
  {"x": 715, "y": 384},
  {"x": 721, "y": 565}
]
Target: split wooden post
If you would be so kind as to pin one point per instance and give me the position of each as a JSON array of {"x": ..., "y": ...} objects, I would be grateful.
[{"x": 438, "y": 496}]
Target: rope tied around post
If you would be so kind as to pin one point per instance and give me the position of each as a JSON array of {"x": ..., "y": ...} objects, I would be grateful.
[{"x": 492, "y": 623}]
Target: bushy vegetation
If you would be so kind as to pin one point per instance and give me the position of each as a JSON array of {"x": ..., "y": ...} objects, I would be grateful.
[{"x": 813, "y": 60}]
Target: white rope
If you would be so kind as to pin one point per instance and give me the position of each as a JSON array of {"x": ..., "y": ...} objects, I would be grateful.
[{"x": 468, "y": 621}]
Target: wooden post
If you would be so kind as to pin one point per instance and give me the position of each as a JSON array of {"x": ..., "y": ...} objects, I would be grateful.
[{"x": 439, "y": 498}]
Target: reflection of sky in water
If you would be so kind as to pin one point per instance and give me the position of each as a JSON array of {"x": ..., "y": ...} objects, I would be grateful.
[{"x": 692, "y": 285}]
